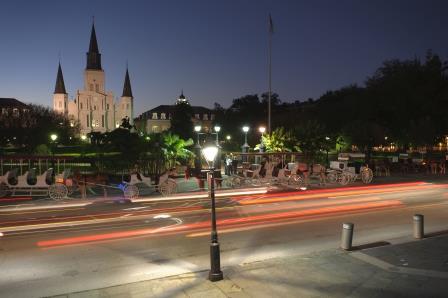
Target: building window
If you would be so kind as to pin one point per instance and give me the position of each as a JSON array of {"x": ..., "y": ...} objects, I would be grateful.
[
  {"x": 163, "y": 116},
  {"x": 107, "y": 106},
  {"x": 97, "y": 123},
  {"x": 88, "y": 122},
  {"x": 81, "y": 105},
  {"x": 212, "y": 117},
  {"x": 102, "y": 120},
  {"x": 15, "y": 112},
  {"x": 205, "y": 117},
  {"x": 155, "y": 128},
  {"x": 60, "y": 104},
  {"x": 127, "y": 106},
  {"x": 97, "y": 88},
  {"x": 65, "y": 104},
  {"x": 4, "y": 111},
  {"x": 197, "y": 116},
  {"x": 117, "y": 124},
  {"x": 94, "y": 107},
  {"x": 154, "y": 116},
  {"x": 91, "y": 87}
]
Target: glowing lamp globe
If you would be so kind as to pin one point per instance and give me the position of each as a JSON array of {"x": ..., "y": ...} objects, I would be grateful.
[
  {"x": 245, "y": 128},
  {"x": 197, "y": 128},
  {"x": 217, "y": 128},
  {"x": 210, "y": 153},
  {"x": 54, "y": 137}
]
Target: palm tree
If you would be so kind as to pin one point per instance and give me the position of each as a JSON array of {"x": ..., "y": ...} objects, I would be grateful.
[{"x": 175, "y": 148}]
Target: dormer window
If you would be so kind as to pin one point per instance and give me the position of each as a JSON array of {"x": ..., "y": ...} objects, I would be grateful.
[
  {"x": 154, "y": 116},
  {"x": 163, "y": 116}
]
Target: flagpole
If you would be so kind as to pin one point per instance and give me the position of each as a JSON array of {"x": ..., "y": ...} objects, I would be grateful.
[{"x": 270, "y": 72}]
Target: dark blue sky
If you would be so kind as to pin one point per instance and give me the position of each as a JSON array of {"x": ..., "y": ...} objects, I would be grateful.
[{"x": 214, "y": 50}]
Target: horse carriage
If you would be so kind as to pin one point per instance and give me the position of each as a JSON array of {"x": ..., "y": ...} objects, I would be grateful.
[
  {"x": 62, "y": 186},
  {"x": 166, "y": 186},
  {"x": 11, "y": 184},
  {"x": 348, "y": 169}
]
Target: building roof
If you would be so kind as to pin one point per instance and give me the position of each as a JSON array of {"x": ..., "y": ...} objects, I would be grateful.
[
  {"x": 11, "y": 103},
  {"x": 93, "y": 46},
  {"x": 60, "y": 86},
  {"x": 127, "y": 90},
  {"x": 169, "y": 109}
]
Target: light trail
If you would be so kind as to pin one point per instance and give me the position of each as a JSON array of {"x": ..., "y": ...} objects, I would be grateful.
[
  {"x": 257, "y": 219},
  {"x": 273, "y": 198}
]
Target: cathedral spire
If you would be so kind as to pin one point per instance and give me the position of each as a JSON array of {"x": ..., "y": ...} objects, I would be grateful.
[
  {"x": 93, "y": 55},
  {"x": 60, "y": 86},
  {"x": 127, "y": 91}
]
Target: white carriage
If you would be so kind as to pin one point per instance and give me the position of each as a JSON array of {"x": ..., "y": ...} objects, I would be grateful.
[
  {"x": 167, "y": 186},
  {"x": 346, "y": 169},
  {"x": 28, "y": 184}
]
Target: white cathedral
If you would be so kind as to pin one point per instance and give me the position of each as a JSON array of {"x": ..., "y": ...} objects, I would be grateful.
[{"x": 94, "y": 108}]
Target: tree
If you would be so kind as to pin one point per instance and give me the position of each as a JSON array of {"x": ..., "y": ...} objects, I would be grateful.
[
  {"x": 175, "y": 148},
  {"x": 311, "y": 139},
  {"x": 181, "y": 123},
  {"x": 279, "y": 140}
]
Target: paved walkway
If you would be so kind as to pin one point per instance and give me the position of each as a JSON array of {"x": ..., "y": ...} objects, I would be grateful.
[{"x": 414, "y": 268}]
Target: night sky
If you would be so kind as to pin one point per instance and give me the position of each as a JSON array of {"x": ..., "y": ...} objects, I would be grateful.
[{"x": 214, "y": 50}]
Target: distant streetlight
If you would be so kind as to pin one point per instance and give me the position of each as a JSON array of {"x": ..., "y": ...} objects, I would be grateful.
[
  {"x": 210, "y": 152},
  {"x": 53, "y": 138},
  {"x": 326, "y": 148},
  {"x": 262, "y": 130},
  {"x": 228, "y": 137},
  {"x": 217, "y": 130},
  {"x": 83, "y": 137}
]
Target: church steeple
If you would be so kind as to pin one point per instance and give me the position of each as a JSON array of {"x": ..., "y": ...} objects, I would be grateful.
[
  {"x": 93, "y": 55},
  {"x": 127, "y": 90},
  {"x": 60, "y": 86}
]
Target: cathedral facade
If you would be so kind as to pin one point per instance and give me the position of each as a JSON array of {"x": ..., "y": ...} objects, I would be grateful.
[{"x": 93, "y": 108}]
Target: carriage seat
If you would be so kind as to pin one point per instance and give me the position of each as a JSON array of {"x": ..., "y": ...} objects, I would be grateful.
[{"x": 45, "y": 180}]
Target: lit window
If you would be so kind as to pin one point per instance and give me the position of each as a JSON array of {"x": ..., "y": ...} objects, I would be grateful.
[
  {"x": 154, "y": 115},
  {"x": 155, "y": 128},
  {"x": 15, "y": 111},
  {"x": 4, "y": 111},
  {"x": 205, "y": 117},
  {"x": 197, "y": 116},
  {"x": 163, "y": 116},
  {"x": 212, "y": 117}
]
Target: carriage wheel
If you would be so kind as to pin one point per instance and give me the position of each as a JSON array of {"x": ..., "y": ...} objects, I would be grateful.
[
  {"x": 255, "y": 182},
  {"x": 57, "y": 191},
  {"x": 367, "y": 175},
  {"x": 344, "y": 178},
  {"x": 227, "y": 182},
  {"x": 332, "y": 177},
  {"x": 236, "y": 181},
  {"x": 131, "y": 192},
  {"x": 3, "y": 190},
  {"x": 167, "y": 188},
  {"x": 296, "y": 180}
]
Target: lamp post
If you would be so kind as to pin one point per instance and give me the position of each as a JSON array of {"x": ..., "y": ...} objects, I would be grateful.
[
  {"x": 53, "y": 138},
  {"x": 197, "y": 149},
  {"x": 262, "y": 130},
  {"x": 218, "y": 155},
  {"x": 245, "y": 147},
  {"x": 215, "y": 273},
  {"x": 326, "y": 148}
]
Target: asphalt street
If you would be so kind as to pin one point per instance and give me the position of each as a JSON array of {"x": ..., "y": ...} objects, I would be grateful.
[{"x": 55, "y": 250}]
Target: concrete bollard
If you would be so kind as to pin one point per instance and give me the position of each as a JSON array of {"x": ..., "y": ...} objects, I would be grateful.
[
  {"x": 418, "y": 226},
  {"x": 347, "y": 236}
]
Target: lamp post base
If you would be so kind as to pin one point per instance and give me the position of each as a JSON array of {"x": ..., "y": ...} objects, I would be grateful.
[{"x": 215, "y": 273}]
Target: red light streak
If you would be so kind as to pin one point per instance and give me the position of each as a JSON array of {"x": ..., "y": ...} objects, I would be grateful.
[
  {"x": 221, "y": 223},
  {"x": 16, "y": 199}
]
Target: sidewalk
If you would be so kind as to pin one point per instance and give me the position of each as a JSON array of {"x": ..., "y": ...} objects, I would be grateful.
[{"x": 410, "y": 269}]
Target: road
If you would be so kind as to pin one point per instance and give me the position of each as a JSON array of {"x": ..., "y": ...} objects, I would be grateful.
[{"x": 72, "y": 248}]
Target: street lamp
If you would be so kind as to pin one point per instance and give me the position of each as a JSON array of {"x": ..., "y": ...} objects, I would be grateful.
[
  {"x": 215, "y": 274},
  {"x": 217, "y": 130},
  {"x": 197, "y": 129},
  {"x": 326, "y": 148},
  {"x": 53, "y": 138},
  {"x": 245, "y": 147},
  {"x": 228, "y": 137},
  {"x": 262, "y": 130}
]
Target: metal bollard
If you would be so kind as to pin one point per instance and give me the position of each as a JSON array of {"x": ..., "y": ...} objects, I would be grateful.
[
  {"x": 418, "y": 226},
  {"x": 347, "y": 236}
]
